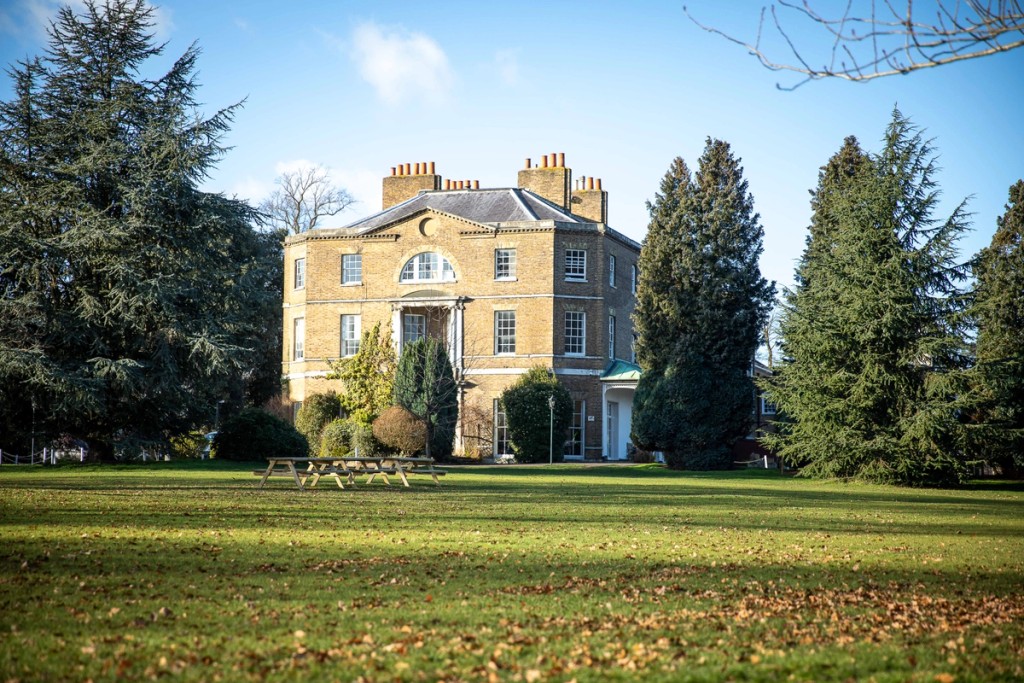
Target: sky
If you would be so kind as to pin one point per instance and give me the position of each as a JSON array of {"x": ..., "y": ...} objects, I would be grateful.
[{"x": 620, "y": 88}]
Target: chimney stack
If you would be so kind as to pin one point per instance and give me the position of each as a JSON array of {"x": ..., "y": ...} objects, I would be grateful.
[
  {"x": 590, "y": 202},
  {"x": 552, "y": 181},
  {"x": 405, "y": 184}
]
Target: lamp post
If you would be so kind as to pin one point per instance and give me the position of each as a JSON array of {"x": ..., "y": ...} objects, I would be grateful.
[
  {"x": 551, "y": 443},
  {"x": 216, "y": 415}
]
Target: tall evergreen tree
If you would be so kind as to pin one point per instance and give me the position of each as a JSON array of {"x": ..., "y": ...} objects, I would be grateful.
[
  {"x": 128, "y": 294},
  {"x": 426, "y": 387},
  {"x": 872, "y": 376},
  {"x": 701, "y": 304},
  {"x": 999, "y": 310}
]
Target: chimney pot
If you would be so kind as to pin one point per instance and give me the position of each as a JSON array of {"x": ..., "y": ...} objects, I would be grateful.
[
  {"x": 476, "y": 184},
  {"x": 432, "y": 168},
  {"x": 599, "y": 183},
  {"x": 417, "y": 168},
  {"x": 408, "y": 169},
  {"x": 392, "y": 170},
  {"x": 527, "y": 162},
  {"x": 561, "y": 159},
  {"x": 590, "y": 181},
  {"x": 554, "y": 157},
  {"x": 544, "y": 161}
]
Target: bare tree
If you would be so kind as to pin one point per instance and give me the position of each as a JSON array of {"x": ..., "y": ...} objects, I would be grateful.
[
  {"x": 890, "y": 37},
  {"x": 303, "y": 197}
]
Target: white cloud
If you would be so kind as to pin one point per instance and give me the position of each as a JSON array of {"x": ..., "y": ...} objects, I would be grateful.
[
  {"x": 33, "y": 17},
  {"x": 401, "y": 65},
  {"x": 362, "y": 184}
]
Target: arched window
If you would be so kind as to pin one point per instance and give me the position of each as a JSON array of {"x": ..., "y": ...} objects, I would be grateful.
[{"x": 428, "y": 267}]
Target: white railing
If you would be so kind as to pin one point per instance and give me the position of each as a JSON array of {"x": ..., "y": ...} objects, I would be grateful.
[{"x": 47, "y": 456}]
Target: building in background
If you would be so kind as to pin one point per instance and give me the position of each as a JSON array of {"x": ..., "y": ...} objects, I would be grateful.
[{"x": 509, "y": 278}]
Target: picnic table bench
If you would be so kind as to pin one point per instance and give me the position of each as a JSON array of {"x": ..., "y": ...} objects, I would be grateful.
[{"x": 345, "y": 469}]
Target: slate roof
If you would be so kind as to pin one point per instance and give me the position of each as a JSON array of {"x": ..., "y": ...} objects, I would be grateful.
[{"x": 489, "y": 207}]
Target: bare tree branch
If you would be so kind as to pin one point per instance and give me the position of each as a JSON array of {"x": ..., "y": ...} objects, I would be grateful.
[
  {"x": 889, "y": 40},
  {"x": 302, "y": 198}
]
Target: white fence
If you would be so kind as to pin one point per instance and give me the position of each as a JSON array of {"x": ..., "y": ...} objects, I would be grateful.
[{"x": 47, "y": 456}]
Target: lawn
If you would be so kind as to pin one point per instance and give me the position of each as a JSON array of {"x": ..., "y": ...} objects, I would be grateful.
[{"x": 185, "y": 571}]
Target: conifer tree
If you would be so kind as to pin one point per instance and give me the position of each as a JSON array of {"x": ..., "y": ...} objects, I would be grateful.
[
  {"x": 999, "y": 310},
  {"x": 701, "y": 304},
  {"x": 426, "y": 387},
  {"x": 871, "y": 381},
  {"x": 128, "y": 294}
]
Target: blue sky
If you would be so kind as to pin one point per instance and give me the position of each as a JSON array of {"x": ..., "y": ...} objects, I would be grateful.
[{"x": 620, "y": 88}]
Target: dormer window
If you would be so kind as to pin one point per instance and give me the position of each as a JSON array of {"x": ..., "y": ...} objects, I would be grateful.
[{"x": 428, "y": 267}]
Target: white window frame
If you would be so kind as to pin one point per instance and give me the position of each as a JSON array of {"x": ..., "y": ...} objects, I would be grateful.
[
  {"x": 579, "y": 416},
  {"x": 427, "y": 266},
  {"x": 500, "y": 432},
  {"x": 352, "y": 271},
  {"x": 299, "y": 339},
  {"x": 504, "y": 264},
  {"x": 635, "y": 278},
  {"x": 299, "y": 273},
  {"x": 611, "y": 337},
  {"x": 577, "y": 271},
  {"x": 421, "y": 328},
  {"x": 350, "y": 335},
  {"x": 765, "y": 405},
  {"x": 504, "y": 333},
  {"x": 611, "y": 270},
  {"x": 579, "y": 317}
]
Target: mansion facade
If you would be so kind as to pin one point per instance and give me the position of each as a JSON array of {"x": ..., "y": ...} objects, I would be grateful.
[{"x": 509, "y": 278}]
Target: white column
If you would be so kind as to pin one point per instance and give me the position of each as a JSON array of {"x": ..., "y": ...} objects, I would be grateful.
[
  {"x": 458, "y": 360},
  {"x": 604, "y": 421},
  {"x": 396, "y": 328}
]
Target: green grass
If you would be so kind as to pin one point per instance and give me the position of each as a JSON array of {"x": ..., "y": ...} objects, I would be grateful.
[{"x": 187, "y": 572}]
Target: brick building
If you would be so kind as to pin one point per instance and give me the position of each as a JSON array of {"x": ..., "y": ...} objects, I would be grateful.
[{"x": 509, "y": 278}]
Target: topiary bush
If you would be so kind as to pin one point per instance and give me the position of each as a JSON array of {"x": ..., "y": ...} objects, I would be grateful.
[
  {"x": 253, "y": 434},
  {"x": 336, "y": 439},
  {"x": 317, "y": 411},
  {"x": 529, "y": 416},
  {"x": 399, "y": 428}
]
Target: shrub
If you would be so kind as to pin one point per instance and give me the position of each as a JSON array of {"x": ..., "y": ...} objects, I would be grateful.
[
  {"x": 336, "y": 439},
  {"x": 399, "y": 428},
  {"x": 253, "y": 434},
  {"x": 189, "y": 445},
  {"x": 365, "y": 443},
  {"x": 317, "y": 411},
  {"x": 529, "y": 416}
]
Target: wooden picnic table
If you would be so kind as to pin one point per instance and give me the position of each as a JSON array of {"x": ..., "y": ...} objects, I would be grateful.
[{"x": 303, "y": 470}]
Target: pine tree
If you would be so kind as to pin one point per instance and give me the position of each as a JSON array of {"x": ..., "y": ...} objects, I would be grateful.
[
  {"x": 871, "y": 381},
  {"x": 128, "y": 294},
  {"x": 426, "y": 387},
  {"x": 999, "y": 309},
  {"x": 701, "y": 305}
]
